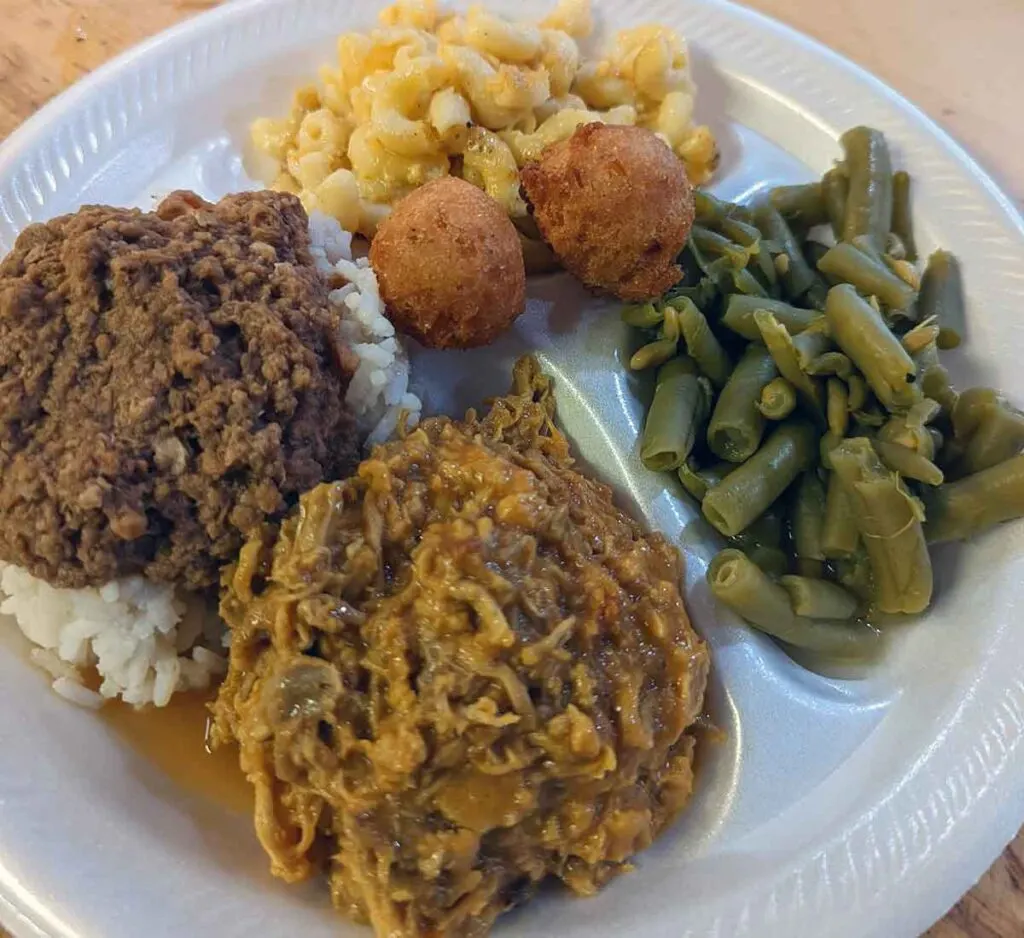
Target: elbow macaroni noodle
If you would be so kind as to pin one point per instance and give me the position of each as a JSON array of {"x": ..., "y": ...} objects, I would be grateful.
[{"x": 429, "y": 93}]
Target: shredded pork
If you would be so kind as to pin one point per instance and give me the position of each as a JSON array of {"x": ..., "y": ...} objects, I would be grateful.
[{"x": 458, "y": 673}]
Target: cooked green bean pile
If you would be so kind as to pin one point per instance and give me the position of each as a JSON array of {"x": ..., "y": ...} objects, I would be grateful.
[{"x": 801, "y": 400}]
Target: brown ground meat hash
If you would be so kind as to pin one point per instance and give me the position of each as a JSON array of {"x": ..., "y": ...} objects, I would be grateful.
[
  {"x": 168, "y": 380},
  {"x": 458, "y": 673}
]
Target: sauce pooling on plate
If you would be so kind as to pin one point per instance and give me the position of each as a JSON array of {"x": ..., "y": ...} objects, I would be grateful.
[{"x": 173, "y": 739}]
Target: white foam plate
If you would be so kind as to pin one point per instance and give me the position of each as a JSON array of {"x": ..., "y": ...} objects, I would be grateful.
[{"x": 842, "y": 809}]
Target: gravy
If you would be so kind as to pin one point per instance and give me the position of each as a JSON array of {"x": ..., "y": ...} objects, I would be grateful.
[{"x": 173, "y": 739}]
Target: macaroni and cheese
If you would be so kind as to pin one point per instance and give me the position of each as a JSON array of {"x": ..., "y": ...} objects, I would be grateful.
[{"x": 427, "y": 94}]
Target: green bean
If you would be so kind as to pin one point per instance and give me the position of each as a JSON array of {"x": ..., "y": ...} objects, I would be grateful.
[
  {"x": 807, "y": 515},
  {"x": 701, "y": 343},
  {"x": 737, "y": 582},
  {"x": 710, "y": 209},
  {"x": 643, "y": 315},
  {"x": 971, "y": 409},
  {"x": 854, "y": 574},
  {"x": 653, "y": 354},
  {"x": 802, "y": 205},
  {"x": 867, "y": 247},
  {"x": 814, "y": 251},
  {"x": 830, "y": 363},
  {"x": 908, "y": 463},
  {"x": 858, "y": 398},
  {"x": 999, "y": 436},
  {"x": 942, "y": 293},
  {"x": 692, "y": 271},
  {"x": 739, "y": 316},
  {"x": 828, "y": 442},
  {"x": 748, "y": 491},
  {"x": 778, "y": 399},
  {"x": 864, "y": 337},
  {"x": 815, "y": 339},
  {"x": 936, "y": 384},
  {"x": 780, "y": 345},
  {"x": 910, "y": 430},
  {"x": 797, "y": 275},
  {"x": 745, "y": 283},
  {"x": 702, "y": 294},
  {"x": 764, "y": 270},
  {"x": 698, "y": 481},
  {"x": 962, "y": 509},
  {"x": 744, "y": 234},
  {"x": 905, "y": 271},
  {"x": 711, "y": 242},
  {"x": 835, "y": 187},
  {"x": 736, "y": 426},
  {"x": 921, "y": 336},
  {"x": 702, "y": 263},
  {"x": 927, "y": 356},
  {"x": 889, "y": 521},
  {"x": 719, "y": 272},
  {"x": 772, "y": 560},
  {"x": 761, "y": 258},
  {"x": 832, "y": 403},
  {"x": 869, "y": 202},
  {"x": 902, "y": 223},
  {"x": 839, "y": 533},
  {"x": 762, "y": 543},
  {"x": 817, "y": 293},
  {"x": 848, "y": 265},
  {"x": 894, "y": 247},
  {"x": 923, "y": 412},
  {"x": 837, "y": 407},
  {"x": 678, "y": 411},
  {"x": 819, "y": 599},
  {"x": 670, "y": 329},
  {"x": 767, "y": 530},
  {"x": 987, "y": 430},
  {"x": 741, "y": 213},
  {"x": 869, "y": 418}
]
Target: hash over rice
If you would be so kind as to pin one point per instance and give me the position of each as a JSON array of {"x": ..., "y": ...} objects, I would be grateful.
[{"x": 147, "y": 641}]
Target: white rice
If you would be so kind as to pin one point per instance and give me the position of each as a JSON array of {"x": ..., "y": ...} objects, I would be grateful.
[
  {"x": 379, "y": 393},
  {"x": 146, "y": 642},
  {"x": 139, "y": 637}
]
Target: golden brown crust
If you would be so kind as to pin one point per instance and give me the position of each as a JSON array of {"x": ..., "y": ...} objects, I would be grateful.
[
  {"x": 615, "y": 205},
  {"x": 450, "y": 266}
]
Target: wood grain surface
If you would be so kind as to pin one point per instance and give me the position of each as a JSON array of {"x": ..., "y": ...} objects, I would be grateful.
[{"x": 963, "y": 65}]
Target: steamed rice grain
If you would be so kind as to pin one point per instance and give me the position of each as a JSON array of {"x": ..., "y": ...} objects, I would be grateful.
[
  {"x": 378, "y": 394},
  {"x": 139, "y": 637}
]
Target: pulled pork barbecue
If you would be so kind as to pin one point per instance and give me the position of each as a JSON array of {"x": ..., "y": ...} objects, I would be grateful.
[{"x": 460, "y": 672}]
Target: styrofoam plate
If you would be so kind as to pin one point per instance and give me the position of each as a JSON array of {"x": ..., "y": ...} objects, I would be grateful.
[{"x": 837, "y": 809}]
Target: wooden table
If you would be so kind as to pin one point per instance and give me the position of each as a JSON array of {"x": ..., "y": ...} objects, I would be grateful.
[{"x": 963, "y": 65}]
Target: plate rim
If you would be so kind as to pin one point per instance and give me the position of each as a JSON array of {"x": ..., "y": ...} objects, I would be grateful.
[{"x": 941, "y": 877}]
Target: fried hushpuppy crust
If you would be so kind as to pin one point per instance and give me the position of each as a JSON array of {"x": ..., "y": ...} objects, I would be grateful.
[
  {"x": 450, "y": 266},
  {"x": 616, "y": 207}
]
